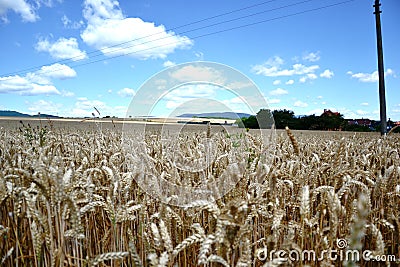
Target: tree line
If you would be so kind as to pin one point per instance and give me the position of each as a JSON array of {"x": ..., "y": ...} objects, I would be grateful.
[{"x": 328, "y": 121}]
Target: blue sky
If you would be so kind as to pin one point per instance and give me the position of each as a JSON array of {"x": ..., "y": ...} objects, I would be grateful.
[{"x": 66, "y": 57}]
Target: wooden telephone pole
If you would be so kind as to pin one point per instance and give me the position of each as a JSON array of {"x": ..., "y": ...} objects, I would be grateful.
[{"x": 381, "y": 71}]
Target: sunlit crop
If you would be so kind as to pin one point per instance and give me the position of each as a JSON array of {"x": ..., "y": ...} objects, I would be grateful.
[{"x": 69, "y": 198}]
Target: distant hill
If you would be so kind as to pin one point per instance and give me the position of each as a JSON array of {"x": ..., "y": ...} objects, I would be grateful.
[
  {"x": 11, "y": 113},
  {"x": 219, "y": 115}
]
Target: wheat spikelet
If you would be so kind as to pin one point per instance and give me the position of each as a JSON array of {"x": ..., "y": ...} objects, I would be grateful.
[
  {"x": 163, "y": 260},
  {"x": 156, "y": 235},
  {"x": 276, "y": 223},
  {"x": 133, "y": 251},
  {"x": 187, "y": 242},
  {"x": 174, "y": 215},
  {"x": 127, "y": 212},
  {"x": 381, "y": 221},
  {"x": 245, "y": 257},
  {"x": 36, "y": 238},
  {"x": 165, "y": 236},
  {"x": 379, "y": 243},
  {"x": 152, "y": 259},
  {"x": 205, "y": 248},
  {"x": 8, "y": 254},
  {"x": 108, "y": 256},
  {"x": 393, "y": 129},
  {"x": 357, "y": 230},
  {"x": 305, "y": 202},
  {"x": 339, "y": 153},
  {"x": 109, "y": 208},
  {"x": 90, "y": 206},
  {"x": 218, "y": 259},
  {"x": 67, "y": 177},
  {"x": 76, "y": 227},
  {"x": 335, "y": 210},
  {"x": 293, "y": 140}
]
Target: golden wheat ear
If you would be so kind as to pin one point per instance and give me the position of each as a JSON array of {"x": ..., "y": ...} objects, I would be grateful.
[
  {"x": 393, "y": 129},
  {"x": 293, "y": 140}
]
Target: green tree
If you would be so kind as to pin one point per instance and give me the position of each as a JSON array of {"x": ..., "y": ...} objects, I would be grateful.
[
  {"x": 265, "y": 119},
  {"x": 284, "y": 118},
  {"x": 357, "y": 128},
  {"x": 250, "y": 122},
  {"x": 332, "y": 121},
  {"x": 311, "y": 122}
]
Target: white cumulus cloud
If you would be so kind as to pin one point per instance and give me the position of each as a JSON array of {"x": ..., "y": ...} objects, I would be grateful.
[
  {"x": 84, "y": 107},
  {"x": 200, "y": 73},
  {"x": 308, "y": 77},
  {"x": 44, "y": 107},
  {"x": 36, "y": 83},
  {"x": 276, "y": 82},
  {"x": 312, "y": 57},
  {"x": 25, "y": 86},
  {"x": 369, "y": 77},
  {"x": 273, "y": 68},
  {"x": 300, "y": 104},
  {"x": 279, "y": 91},
  {"x": 21, "y": 7},
  {"x": 327, "y": 74},
  {"x": 67, "y": 93},
  {"x": 126, "y": 92},
  {"x": 62, "y": 49},
  {"x": 273, "y": 101},
  {"x": 168, "y": 63},
  {"x": 317, "y": 111},
  {"x": 290, "y": 82},
  {"x": 68, "y": 24},
  {"x": 114, "y": 34},
  {"x": 235, "y": 104},
  {"x": 362, "y": 112},
  {"x": 187, "y": 93},
  {"x": 58, "y": 71}
]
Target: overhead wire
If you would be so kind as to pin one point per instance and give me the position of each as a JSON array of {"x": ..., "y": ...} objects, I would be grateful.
[
  {"x": 225, "y": 30},
  {"x": 198, "y": 36},
  {"x": 199, "y": 28},
  {"x": 140, "y": 38}
]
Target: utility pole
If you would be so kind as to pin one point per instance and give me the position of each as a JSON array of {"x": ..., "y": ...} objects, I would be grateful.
[{"x": 381, "y": 71}]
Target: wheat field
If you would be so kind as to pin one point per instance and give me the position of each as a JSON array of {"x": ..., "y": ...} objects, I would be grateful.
[{"x": 69, "y": 197}]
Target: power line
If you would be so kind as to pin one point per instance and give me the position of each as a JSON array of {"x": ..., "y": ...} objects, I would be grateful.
[
  {"x": 207, "y": 34},
  {"x": 226, "y": 30},
  {"x": 139, "y": 38},
  {"x": 192, "y": 30},
  {"x": 100, "y": 52}
]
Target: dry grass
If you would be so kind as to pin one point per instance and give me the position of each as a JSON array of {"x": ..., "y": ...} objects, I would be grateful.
[{"x": 75, "y": 202}]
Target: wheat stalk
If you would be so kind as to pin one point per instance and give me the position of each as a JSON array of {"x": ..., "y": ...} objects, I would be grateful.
[{"x": 293, "y": 140}]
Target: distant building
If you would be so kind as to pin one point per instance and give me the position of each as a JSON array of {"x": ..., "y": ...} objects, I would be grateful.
[
  {"x": 328, "y": 112},
  {"x": 361, "y": 122}
]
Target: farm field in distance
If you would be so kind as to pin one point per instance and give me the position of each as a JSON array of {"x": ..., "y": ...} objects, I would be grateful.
[{"x": 69, "y": 196}]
